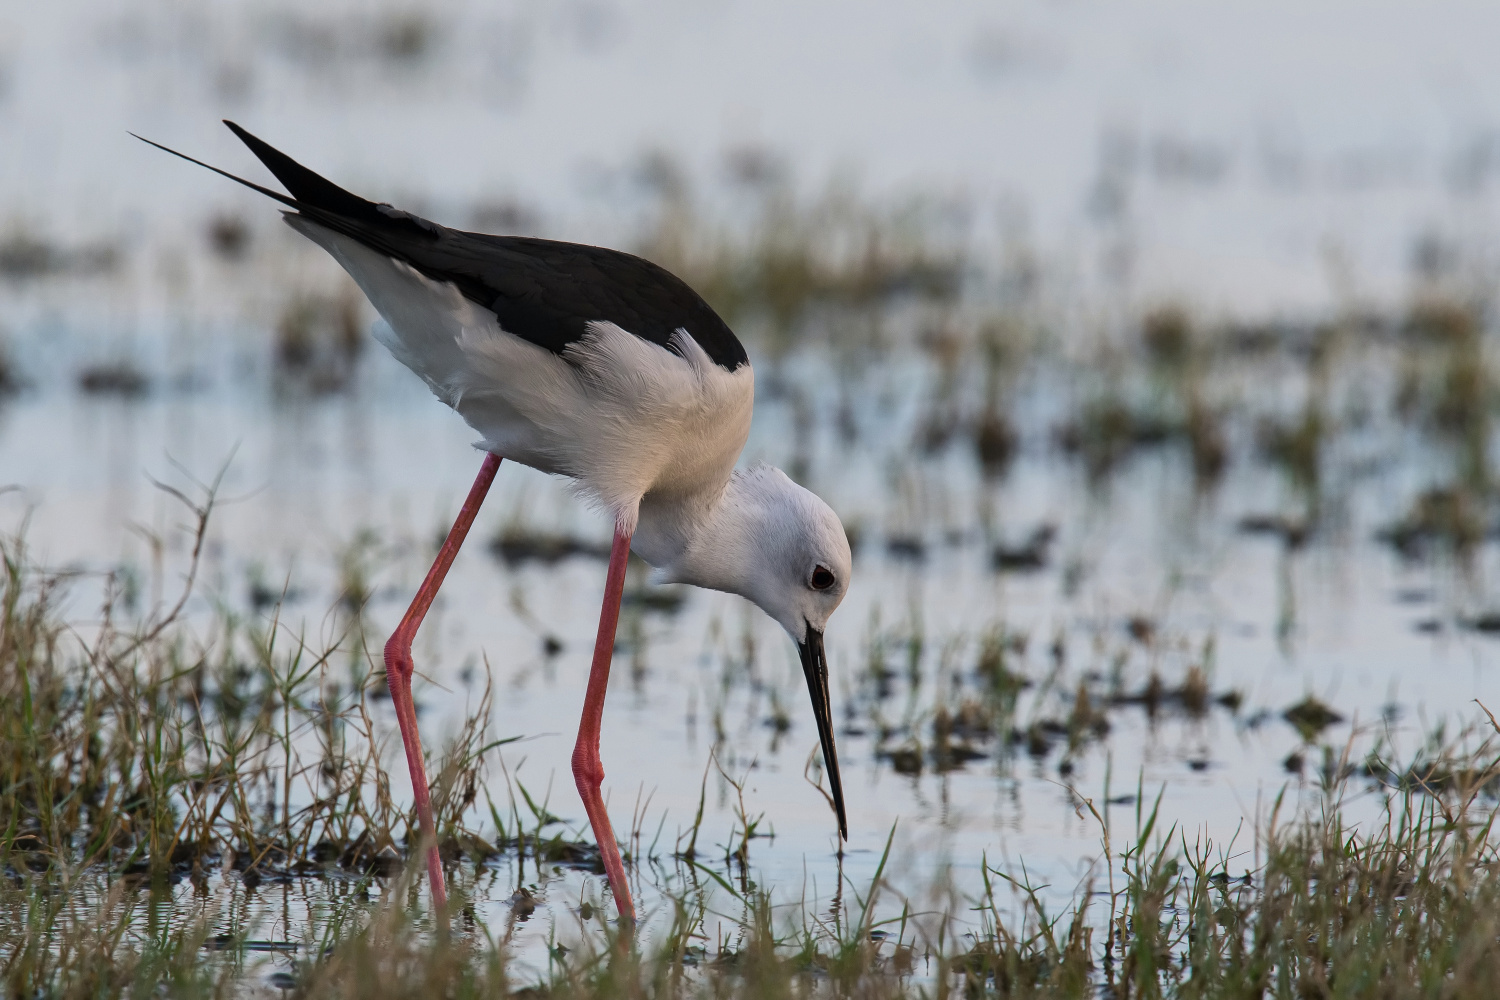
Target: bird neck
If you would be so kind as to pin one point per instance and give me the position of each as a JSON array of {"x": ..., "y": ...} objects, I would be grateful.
[{"x": 704, "y": 539}]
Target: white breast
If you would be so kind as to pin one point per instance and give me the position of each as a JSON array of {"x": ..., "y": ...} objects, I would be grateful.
[{"x": 620, "y": 415}]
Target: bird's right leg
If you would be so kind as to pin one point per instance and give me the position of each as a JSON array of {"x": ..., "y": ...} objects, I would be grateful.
[
  {"x": 588, "y": 769},
  {"x": 399, "y": 668}
]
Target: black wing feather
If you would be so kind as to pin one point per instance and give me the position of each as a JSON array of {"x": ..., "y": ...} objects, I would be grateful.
[{"x": 543, "y": 291}]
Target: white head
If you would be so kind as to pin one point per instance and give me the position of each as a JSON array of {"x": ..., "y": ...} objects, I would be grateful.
[
  {"x": 775, "y": 543},
  {"x": 794, "y": 555},
  {"x": 783, "y": 548}
]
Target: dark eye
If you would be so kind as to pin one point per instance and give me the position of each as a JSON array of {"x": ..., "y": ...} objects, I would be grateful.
[{"x": 822, "y": 578}]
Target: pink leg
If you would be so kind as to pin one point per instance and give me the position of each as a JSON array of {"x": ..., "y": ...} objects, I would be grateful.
[
  {"x": 398, "y": 668},
  {"x": 588, "y": 770}
]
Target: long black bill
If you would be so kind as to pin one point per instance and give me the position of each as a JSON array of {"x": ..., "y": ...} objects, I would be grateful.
[{"x": 815, "y": 669}]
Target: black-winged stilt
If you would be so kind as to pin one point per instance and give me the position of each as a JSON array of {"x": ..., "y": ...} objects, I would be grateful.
[{"x": 600, "y": 366}]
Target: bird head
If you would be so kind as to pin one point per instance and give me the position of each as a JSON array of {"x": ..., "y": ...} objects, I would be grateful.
[
  {"x": 797, "y": 567},
  {"x": 783, "y": 548}
]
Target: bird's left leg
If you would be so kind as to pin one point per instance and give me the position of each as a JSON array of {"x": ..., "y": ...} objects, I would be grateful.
[
  {"x": 399, "y": 668},
  {"x": 588, "y": 769}
]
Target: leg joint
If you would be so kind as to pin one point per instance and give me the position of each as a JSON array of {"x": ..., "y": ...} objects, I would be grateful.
[
  {"x": 588, "y": 770},
  {"x": 398, "y": 660}
]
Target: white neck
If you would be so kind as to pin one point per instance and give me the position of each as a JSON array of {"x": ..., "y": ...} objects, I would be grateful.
[{"x": 702, "y": 538}]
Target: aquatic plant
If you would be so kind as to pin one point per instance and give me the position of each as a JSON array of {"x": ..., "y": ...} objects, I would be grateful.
[
  {"x": 153, "y": 749},
  {"x": 319, "y": 339}
]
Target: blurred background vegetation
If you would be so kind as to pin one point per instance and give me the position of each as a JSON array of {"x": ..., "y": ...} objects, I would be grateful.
[{"x": 1146, "y": 349}]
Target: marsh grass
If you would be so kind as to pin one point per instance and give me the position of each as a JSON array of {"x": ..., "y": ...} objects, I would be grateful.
[
  {"x": 136, "y": 753},
  {"x": 140, "y": 755},
  {"x": 11, "y": 379},
  {"x": 151, "y": 764},
  {"x": 1309, "y": 906},
  {"x": 318, "y": 342},
  {"x": 154, "y": 750},
  {"x": 805, "y": 259}
]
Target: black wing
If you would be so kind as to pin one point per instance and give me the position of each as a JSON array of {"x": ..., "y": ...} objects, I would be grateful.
[{"x": 541, "y": 290}]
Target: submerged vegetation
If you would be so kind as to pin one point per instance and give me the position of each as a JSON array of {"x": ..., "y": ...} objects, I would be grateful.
[
  {"x": 139, "y": 759},
  {"x": 1311, "y": 909},
  {"x": 999, "y": 361},
  {"x": 1130, "y": 565},
  {"x": 1004, "y": 363},
  {"x": 157, "y": 779},
  {"x": 158, "y": 753},
  {"x": 194, "y": 800}
]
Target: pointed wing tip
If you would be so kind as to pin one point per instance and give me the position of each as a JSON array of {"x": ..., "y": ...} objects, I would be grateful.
[
  {"x": 309, "y": 188},
  {"x": 244, "y": 136}
]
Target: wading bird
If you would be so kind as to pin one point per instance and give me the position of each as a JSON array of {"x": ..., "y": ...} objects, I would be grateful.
[{"x": 599, "y": 366}]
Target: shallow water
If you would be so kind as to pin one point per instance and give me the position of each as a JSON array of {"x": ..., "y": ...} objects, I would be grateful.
[
  {"x": 308, "y": 476},
  {"x": 1252, "y": 158},
  {"x": 1147, "y": 573}
]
